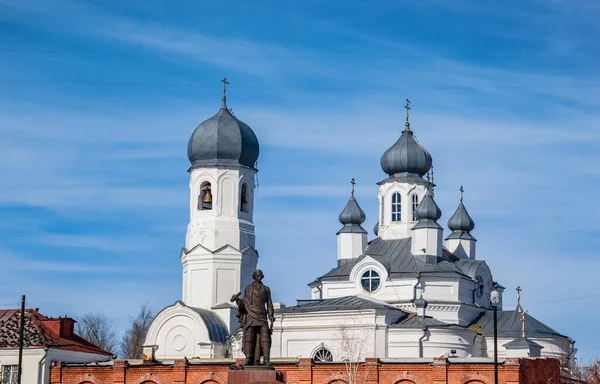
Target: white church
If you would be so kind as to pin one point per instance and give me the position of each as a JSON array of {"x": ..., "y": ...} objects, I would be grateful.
[{"x": 407, "y": 293}]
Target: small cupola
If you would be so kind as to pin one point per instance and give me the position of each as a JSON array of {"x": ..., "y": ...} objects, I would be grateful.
[
  {"x": 406, "y": 156},
  {"x": 427, "y": 234},
  {"x": 352, "y": 237},
  {"x": 460, "y": 241}
]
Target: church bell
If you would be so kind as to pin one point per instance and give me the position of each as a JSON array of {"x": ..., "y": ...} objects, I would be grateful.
[{"x": 207, "y": 197}]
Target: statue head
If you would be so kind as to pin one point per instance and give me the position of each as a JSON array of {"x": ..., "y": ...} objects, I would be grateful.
[{"x": 258, "y": 275}]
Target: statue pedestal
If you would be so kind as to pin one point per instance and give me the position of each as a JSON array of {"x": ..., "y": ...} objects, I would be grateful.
[{"x": 256, "y": 375}]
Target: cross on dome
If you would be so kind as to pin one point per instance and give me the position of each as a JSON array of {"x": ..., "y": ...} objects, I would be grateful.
[
  {"x": 462, "y": 190},
  {"x": 353, "y": 183},
  {"x": 225, "y": 82},
  {"x": 407, "y": 107}
]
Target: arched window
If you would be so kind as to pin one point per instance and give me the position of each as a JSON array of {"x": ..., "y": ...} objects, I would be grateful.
[
  {"x": 396, "y": 207},
  {"x": 322, "y": 354},
  {"x": 415, "y": 204},
  {"x": 244, "y": 198},
  {"x": 205, "y": 198},
  {"x": 370, "y": 280}
]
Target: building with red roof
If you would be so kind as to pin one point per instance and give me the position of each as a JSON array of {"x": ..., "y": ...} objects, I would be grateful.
[{"x": 45, "y": 340}]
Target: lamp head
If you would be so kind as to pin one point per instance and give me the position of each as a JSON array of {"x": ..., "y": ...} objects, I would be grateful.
[{"x": 495, "y": 298}]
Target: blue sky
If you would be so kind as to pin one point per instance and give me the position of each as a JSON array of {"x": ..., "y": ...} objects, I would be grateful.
[{"x": 98, "y": 100}]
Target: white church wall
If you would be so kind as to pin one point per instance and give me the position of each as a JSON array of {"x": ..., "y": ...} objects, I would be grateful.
[
  {"x": 389, "y": 229},
  {"x": 225, "y": 223},
  {"x": 300, "y": 335},
  {"x": 403, "y": 343},
  {"x": 179, "y": 332},
  {"x": 351, "y": 245},
  {"x": 556, "y": 348},
  {"x": 211, "y": 278}
]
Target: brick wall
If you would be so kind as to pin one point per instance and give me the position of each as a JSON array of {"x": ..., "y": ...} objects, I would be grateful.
[{"x": 305, "y": 371}]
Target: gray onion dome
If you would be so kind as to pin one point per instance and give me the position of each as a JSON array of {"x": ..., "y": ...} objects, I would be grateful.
[
  {"x": 376, "y": 229},
  {"x": 352, "y": 217},
  {"x": 223, "y": 140},
  {"x": 352, "y": 213},
  {"x": 460, "y": 220},
  {"x": 421, "y": 302},
  {"x": 428, "y": 213},
  {"x": 428, "y": 209},
  {"x": 406, "y": 156}
]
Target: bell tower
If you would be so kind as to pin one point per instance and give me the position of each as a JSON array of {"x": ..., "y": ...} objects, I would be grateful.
[
  {"x": 406, "y": 162},
  {"x": 219, "y": 256}
]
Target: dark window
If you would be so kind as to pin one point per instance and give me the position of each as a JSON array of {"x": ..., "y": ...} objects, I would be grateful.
[
  {"x": 396, "y": 207},
  {"x": 370, "y": 280},
  {"x": 415, "y": 204},
  {"x": 323, "y": 354},
  {"x": 244, "y": 199}
]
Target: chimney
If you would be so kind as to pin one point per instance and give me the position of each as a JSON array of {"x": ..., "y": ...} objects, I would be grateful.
[{"x": 62, "y": 326}]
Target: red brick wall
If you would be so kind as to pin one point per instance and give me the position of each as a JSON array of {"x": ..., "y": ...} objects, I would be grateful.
[{"x": 522, "y": 371}]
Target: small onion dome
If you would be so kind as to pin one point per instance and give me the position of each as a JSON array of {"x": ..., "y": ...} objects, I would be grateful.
[
  {"x": 376, "y": 229},
  {"x": 352, "y": 213},
  {"x": 223, "y": 140},
  {"x": 460, "y": 220},
  {"x": 428, "y": 213},
  {"x": 406, "y": 156},
  {"x": 352, "y": 217},
  {"x": 421, "y": 302}
]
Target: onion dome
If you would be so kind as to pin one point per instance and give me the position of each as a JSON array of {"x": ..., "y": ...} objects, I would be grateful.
[
  {"x": 428, "y": 213},
  {"x": 406, "y": 155},
  {"x": 352, "y": 216},
  {"x": 223, "y": 140},
  {"x": 376, "y": 228},
  {"x": 460, "y": 223},
  {"x": 421, "y": 302}
]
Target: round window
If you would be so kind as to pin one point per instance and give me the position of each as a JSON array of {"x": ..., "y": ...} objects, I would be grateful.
[
  {"x": 323, "y": 354},
  {"x": 370, "y": 280}
]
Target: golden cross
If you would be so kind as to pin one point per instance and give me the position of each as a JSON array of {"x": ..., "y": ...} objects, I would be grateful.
[
  {"x": 523, "y": 324},
  {"x": 225, "y": 82},
  {"x": 462, "y": 190},
  {"x": 407, "y": 106},
  {"x": 353, "y": 182}
]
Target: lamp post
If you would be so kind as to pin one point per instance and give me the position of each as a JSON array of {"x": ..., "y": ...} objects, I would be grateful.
[{"x": 495, "y": 301}]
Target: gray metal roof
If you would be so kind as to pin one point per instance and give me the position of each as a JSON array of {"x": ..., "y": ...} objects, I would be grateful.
[
  {"x": 509, "y": 325},
  {"x": 223, "y": 140},
  {"x": 339, "y": 304},
  {"x": 415, "y": 321},
  {"x": 396, "y": 257},
  {"x": 406, "y": 155},
  {"x": 521, "y": 343},
  {"x": 470, "y": 267},
  {"x": 460, "y": 220},
  {"x": 217, "y": 330}
]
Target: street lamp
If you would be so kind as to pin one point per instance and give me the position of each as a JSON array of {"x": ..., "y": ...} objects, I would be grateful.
[{"x": 495, "y": 301}]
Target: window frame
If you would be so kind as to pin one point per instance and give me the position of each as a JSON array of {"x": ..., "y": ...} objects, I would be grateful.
[
  {"x": 415, "y": 204},
  {"x": 12, "y": 375},
  {"x": 396, "y": 207},
  {"x": 323, "y": 351},
  {"x": 373, "y": 276}
]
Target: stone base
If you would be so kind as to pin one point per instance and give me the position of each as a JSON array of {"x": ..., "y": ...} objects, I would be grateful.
[{"x": 256, "y": 375}]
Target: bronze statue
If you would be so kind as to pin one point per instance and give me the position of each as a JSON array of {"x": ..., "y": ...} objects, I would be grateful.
[{"x": 254, "y": 310}]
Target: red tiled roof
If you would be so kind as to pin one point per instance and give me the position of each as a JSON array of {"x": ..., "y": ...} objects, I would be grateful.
[{"x": 41, "y": 331}]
